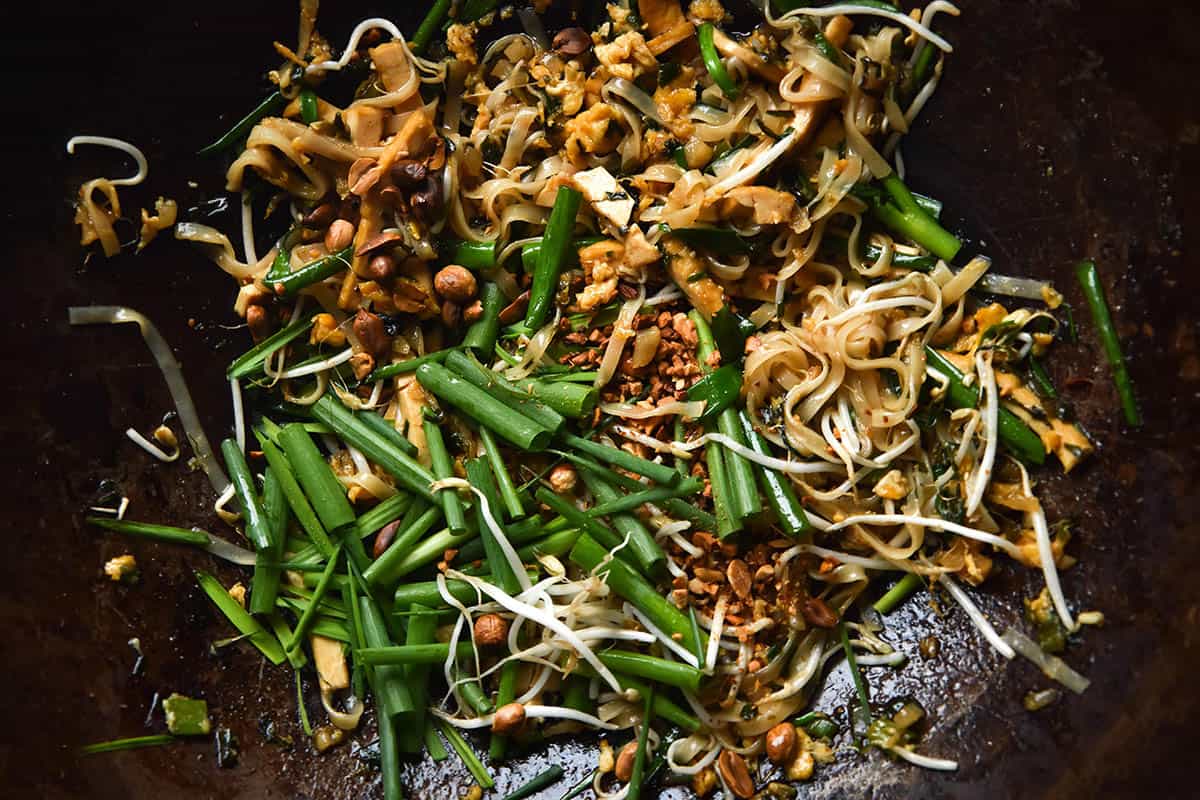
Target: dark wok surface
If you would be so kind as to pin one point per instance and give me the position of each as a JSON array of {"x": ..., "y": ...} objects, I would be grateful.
[{"x": 1063, "y": 129}]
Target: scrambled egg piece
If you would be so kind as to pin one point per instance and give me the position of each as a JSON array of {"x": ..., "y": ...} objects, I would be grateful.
[
  {"x": 674, "y": 102},
  {"x": 627, "y": 56},
  {"x": 589, "y": 132},
  {"x": 569, "y": 86},
  {"x": 600, "y": 261},
  {"x": 892, "y": 486},
  {"x": 325, "y": 330},
  {"x": 707, "y": 10},
  {"x": 461, "y": 41},
  {"x": 122, "y": 569}
]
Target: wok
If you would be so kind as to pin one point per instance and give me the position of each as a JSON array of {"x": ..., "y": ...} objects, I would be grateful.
[{"x": 1062, "y": 130}]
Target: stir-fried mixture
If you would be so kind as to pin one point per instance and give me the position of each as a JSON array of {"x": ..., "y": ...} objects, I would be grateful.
[{"x": 610, "y": 377}]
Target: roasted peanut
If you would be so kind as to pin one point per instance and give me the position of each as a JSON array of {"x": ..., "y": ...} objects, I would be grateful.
[
  {"x": 425, "y": 202},
  {"x": 369, "y": 329},
  {"x": 451, "y": 314},
  {"x": 490, "y": 630},
  {"x": 515, "y": 310},
  {"x": 381, "y": 267},
  {"x": 320, "y": 217},
  {"x": 738, "y": 575},
  {"x": 818, "y": 613},
  {"x": 408, "y": 174},
  {"x": 572, "y": 42},
  {"x": 781, "y": 742},
  {"x": 563, "y": 478},
  {"x": 384, "y": 538},
  {"x": 339, "y": 236},
  {"x": 736, "y": 774},
  {"x": 380, "y": 241},
  {"x": 625, "y": 759},
  {"x": 455, "y": 283},
  {"x": 508, "y": 719},
  {"x": 259, "y": 322}
]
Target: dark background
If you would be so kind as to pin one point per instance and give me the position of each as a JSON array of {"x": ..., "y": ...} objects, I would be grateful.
[{"x": 1062, "y": 130}]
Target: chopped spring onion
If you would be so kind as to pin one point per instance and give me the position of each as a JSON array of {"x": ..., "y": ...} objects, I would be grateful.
[
  {"x": 1093, "y": 290},
  {"x": 470, "y": 760},
  {"x": 267, "y": 644},
  {"x": 510, "y": 424},
  {"x": 900, "y": 592},
  {"x": 623, "y": 580},
  {"x": 408, "y": 365},
  {"x": 639, "y": 761},
  {"x": 553, "y": 253},
  {"x": 133, "y": 743},
  {"x": 653, "y": 669},
  {"x": 543, "y": 780},
  {"x": 713, "y": 63},
  {"x": 166, "y": 533},
  {"x": 272, "y": 104},
  {"x": 860, "y": 684},
  {"x": 429, "y": 26}
]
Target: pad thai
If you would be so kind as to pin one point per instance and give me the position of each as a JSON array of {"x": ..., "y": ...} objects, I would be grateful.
[{"x": 608, "y": 376}]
